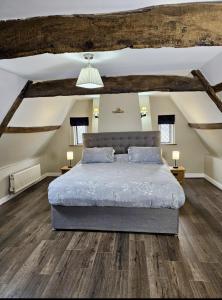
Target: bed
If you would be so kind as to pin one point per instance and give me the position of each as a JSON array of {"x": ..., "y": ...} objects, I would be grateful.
[{"x": 118, "y": 196}]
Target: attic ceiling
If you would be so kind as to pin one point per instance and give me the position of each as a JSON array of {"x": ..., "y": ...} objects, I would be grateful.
[{"x": 124, "y": 62}]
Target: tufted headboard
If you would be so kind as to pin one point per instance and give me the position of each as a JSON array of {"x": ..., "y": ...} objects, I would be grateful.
[{"x": 121, "y": 141}]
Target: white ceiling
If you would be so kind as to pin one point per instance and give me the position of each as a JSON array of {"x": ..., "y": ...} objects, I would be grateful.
[
  {"x": 113, "y": 63},
  {"x": 15, "y": 9}
]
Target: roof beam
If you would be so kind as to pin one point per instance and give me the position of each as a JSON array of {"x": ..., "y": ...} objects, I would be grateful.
[
  {"x": 14, "y": 108},
  {"x": 208, "y": 88},
  {"x": 206, "y": 125},
  {"x": 218, "y": 87},
  {"x": 178, "y": 25},
  {"x": 116, "y": 85},
  {"x": 30, "y": 129}
]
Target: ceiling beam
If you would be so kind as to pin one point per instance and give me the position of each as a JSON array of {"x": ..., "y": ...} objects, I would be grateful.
[
  {"x": 218, "y": 87},
  {"x": 30, "y": 129},
  {"x": 116, "y": 85},
  {"x": 208, "y": 88},
  {"x": 178, "y": 25},
  {"x": 14, "y": 108},
  {"x": 206, "y": 125}
]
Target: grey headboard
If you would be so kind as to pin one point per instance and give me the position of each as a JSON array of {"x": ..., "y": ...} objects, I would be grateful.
[{"x": 120, "y": 141}]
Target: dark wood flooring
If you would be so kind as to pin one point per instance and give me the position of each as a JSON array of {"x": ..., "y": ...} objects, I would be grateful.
[{"x": 38, "y": 262}]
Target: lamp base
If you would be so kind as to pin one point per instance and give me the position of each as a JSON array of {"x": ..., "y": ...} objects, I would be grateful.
[{"x": 175, "y": 164}]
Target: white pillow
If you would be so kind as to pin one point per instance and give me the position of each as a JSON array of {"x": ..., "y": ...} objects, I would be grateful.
[
  {"x": 150, "y": 155},
  {"x": 98, "y": 155}
]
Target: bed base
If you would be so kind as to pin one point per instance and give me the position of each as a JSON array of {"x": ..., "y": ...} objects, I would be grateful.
[{"x": 126, "y": 219}]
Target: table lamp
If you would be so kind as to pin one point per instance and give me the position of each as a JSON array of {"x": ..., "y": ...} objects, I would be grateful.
[
  {"x": 70, "y": 158},
  {"x": 175, "y": 157}
]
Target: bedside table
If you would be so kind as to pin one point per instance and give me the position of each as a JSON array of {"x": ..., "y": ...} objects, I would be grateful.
[
  {"x": 178, "y": 173},
  {"x": 65, "y": 169}
]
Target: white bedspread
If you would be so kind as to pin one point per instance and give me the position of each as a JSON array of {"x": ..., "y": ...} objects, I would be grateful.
[{"x": 120, "y": 183}]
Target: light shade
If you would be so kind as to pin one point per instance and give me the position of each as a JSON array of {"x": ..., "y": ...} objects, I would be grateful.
[
  {"x": 69, "y": 155},
  {"x": 176, "y": 155},
  {"x": 89, "y": 78}
]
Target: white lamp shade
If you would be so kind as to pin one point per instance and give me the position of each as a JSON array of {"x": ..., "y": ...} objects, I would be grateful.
[
  {"x": 89, "y": 78},
  {"x": 176, "y": 155},
  {"x": 69, "y": 155}
]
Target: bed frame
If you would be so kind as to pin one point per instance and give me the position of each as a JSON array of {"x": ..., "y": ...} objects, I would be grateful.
[{"x": 127, "y": 219}]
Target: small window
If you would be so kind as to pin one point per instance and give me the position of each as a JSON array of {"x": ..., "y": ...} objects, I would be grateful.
[
  {"x": 79, "y": 126},
  {"x": 167, "y": 133},
  {"x": 77, "y": 134},
  {"x": 167, "y": 129}
]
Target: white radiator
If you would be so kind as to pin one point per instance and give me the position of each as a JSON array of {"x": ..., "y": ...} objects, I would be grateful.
[{"x": 24, "y": 178}]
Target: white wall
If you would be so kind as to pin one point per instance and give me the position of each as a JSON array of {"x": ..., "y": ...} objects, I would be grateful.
[
  {"x": 62, "y": 141},
  {"x": 128, "y": 121},
  {"x": 213, "y": 169},
  {"x": 10, "y": 87},
  {"x": 192, "y": 150}
]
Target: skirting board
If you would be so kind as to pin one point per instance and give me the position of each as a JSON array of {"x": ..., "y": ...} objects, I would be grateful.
[
  {"x": 194, "y": 175},
  {"x": 11, "y": 196},
  {"x": 214, "y": 182}
]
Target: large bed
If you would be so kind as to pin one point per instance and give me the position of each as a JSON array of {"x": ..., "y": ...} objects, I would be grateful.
[{"x": 117, "y": 196}]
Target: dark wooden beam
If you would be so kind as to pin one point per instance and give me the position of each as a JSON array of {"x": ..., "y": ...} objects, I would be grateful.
[
  {"x": 218, "y": 87},
  {"x": 208, "y": 88},
  {"x": 13, "y": 108},
  {"x": 115, "y": 85},
  {"x": 206, "y": 125},
  {"x": 30, "y": 129},
  {"x": 178, "y": 25}
]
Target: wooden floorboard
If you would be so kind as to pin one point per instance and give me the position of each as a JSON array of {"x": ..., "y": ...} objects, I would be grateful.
[{"x": 36, "y": 262}]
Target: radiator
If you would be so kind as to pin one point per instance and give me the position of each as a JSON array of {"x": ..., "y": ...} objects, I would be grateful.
[{"x": 22, "y": 179}]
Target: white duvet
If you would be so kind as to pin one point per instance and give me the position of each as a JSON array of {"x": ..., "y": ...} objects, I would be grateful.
[{"x": 120, "y": 183}]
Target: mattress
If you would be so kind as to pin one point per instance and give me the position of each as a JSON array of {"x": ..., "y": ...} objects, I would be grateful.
[{"x": 120, "y": 184}]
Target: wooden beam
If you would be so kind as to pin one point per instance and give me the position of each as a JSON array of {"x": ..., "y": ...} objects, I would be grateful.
[
  {"x": 115, "y": 85},
  {"x": 30, "y": 129},
  {"x": 218, "y": 87},
  {"x": 206, "y": 125},
  {"x": 13, "y": 108},
  {"x": 208, "y": 88},
  {"x": 178, "y": 25}
]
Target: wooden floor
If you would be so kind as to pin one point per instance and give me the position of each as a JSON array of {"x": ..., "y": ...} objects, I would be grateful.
[{"x": 38, "y": 262}]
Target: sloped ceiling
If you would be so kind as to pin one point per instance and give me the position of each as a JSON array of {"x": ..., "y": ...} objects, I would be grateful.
[
  {"x": 178, "y": 61},
  {"x": 33, "y": 112}
]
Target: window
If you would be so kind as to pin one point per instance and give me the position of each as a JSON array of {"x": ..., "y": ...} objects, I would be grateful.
[
  {"x": 77, "y": 134},
  {"x": 79, "y": 126},
  {"x": 167, "y": 129}
]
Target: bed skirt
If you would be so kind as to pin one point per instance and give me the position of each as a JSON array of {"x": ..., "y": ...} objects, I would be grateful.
[{"x": 126, "y": 219}]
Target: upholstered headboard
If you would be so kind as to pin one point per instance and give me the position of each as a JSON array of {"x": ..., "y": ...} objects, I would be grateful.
[{"x": 121, "y": 141}]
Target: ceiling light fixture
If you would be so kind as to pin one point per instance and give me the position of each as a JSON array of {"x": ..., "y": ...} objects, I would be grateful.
[{"x": 89, "y": 77}]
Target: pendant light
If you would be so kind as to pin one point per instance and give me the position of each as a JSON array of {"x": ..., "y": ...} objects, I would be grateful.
[{"x": 89, "y": 77}]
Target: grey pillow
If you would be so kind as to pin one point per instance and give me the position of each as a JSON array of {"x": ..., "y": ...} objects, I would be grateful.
[
  {"x": 98, "y": 155},
  {"x": 150, "y": 155}
]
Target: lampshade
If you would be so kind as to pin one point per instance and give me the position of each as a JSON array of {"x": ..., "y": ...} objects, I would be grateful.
[
  {"x": 176, "y": 155},
  {"x": 89, "y": 76},
  {"x": 69, "y": 155}
]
